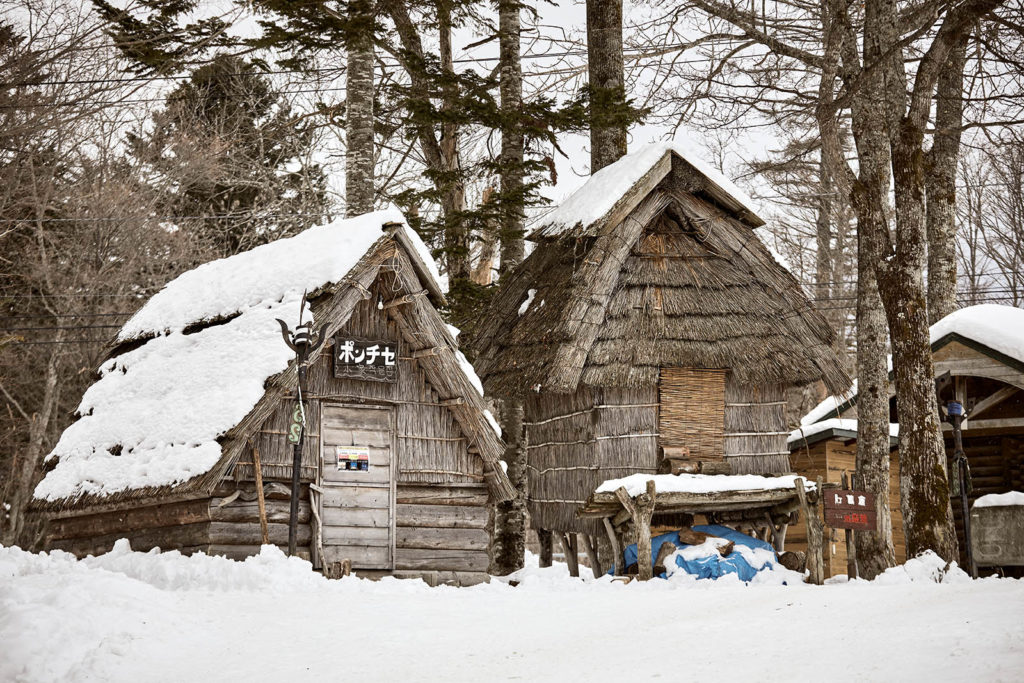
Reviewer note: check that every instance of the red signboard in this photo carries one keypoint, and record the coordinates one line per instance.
(850, 510)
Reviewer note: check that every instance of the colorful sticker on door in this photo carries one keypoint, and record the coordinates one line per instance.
(353, 458)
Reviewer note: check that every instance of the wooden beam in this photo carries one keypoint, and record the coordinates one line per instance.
(590, 546)
(990, 401)
(260, 501)
(815, 532)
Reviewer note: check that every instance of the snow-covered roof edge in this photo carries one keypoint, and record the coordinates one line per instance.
(995, 326)
(831, 426)
(607, 188)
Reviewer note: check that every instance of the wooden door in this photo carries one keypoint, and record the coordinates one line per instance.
(357, 505)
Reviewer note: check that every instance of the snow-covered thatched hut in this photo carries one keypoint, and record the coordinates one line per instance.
(649, 321)
(401, 457)
(978, 354)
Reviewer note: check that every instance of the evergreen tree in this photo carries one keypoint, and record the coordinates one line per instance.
(229, 160)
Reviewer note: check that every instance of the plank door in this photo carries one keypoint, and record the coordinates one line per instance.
(357, 506)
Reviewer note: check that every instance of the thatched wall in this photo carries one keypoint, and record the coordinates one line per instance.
(755, 427)
(576, 441)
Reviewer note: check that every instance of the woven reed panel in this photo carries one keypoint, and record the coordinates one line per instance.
(692, 411)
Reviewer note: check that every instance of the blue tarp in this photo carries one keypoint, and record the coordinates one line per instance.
(713, 566)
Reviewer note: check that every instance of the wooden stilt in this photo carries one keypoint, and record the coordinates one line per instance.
(546, 541)
(618, 560)
(641, 510)
(590, 546)
(569, 551)
(815, 531)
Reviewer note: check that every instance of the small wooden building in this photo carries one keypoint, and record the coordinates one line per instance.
(192, 414)
(649, 320)
(979, 360)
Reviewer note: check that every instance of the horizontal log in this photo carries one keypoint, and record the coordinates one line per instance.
(240, 552)
(441, 495)
(451, 560)
(250, 533)
(607, 504)
(442, 539)
(249, 511)
(130, 519)
(165, 538)
(442, 516)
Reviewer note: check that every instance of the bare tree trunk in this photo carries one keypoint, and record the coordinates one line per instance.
(29, 466)
(875, 551)
(510, 519)
(924, 487)
(483, 271)
(512, 140)
(359, 190)
(942, 163)
(607, 82)
(453, 192)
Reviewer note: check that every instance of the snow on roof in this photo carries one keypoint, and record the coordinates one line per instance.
(606, 187)
(154, 416)
(262, 276)
(999, 327)
(839, 424)
(636, 484)
(1000, 499)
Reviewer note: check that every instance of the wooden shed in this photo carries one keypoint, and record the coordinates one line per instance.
(192, 412)
(649, 319)
(979, 361)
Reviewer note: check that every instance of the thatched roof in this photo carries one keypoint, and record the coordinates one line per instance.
(671, 275)
(202, 364)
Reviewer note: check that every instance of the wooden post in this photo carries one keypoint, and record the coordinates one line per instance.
(851, 548)
(570, 553)
(260, 502)
(546, 541)
(815, 527)
(613, 538)
(589, 545)
(641, 510)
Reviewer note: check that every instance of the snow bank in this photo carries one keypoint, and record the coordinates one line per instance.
(606, 187)
(844, 424)
(154, 416)
(154, 616)
(1000, 499)
(925, 568)
(636, 484)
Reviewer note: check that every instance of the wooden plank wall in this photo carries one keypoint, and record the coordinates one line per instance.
(829, 459)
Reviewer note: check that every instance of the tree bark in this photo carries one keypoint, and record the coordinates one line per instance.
(510, 516)
(942, 161)
(359, 190)
(875, 551)
(606, 82)
(458, 256)
(512, 139)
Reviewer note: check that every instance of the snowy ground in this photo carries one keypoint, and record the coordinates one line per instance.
(132, 617)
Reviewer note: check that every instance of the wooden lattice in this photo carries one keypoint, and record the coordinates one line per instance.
(692, 411)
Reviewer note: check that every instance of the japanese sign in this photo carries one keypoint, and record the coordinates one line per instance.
(373, 360)
(353, 458)
(850, 510)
